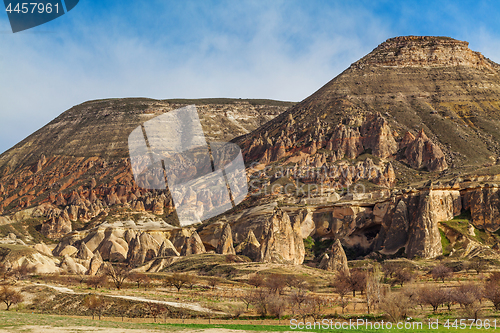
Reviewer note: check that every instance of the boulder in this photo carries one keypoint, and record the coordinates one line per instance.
(225, 245)
(43, 249)
(69, 265)
(69, 250)
(282, 242)
(304, 219)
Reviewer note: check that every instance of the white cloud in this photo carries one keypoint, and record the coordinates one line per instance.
(277, 52)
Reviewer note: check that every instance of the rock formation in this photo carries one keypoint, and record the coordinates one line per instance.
(141, 249)
(335, 259)
(225, 245)
(167, 249)
(282, 242)
(193, 245)
(250, 247)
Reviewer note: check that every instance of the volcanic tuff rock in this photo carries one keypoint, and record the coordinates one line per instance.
(193, 245)
(250, 247)
(281, 241)
(225, 244)
(335, 259)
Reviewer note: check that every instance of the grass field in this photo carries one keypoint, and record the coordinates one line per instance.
(27, 322)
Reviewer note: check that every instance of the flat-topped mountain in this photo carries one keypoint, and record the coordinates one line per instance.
(434, 88)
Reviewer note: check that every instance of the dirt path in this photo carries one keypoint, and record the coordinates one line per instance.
(193, 307)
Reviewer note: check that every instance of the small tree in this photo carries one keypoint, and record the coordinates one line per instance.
(95, 304)
(277, 306)
(96, 281)
(275, 283)
(358, 279)
(10, 296)
(441, 272)
(297, 298)
(156, 309)
(477, 264)
(342, 286)
(434, 296)
(138, 278)
(117, 274)
(23, 271)
(397, 305)
(402, 276)
(177, 280)
(492, 293)
(467, 294)
(256, 280)
(373, 291)
(5, 270)
(213, 282)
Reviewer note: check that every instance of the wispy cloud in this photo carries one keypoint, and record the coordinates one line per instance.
(166, 49)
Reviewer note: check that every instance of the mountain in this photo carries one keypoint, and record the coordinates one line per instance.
(432, 88)
(397, 156)
(77, 166)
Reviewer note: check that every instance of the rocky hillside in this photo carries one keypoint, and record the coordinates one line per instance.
(76, 168)
(379, 162)
(427, 103)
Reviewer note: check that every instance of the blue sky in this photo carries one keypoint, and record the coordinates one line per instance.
(191, 49)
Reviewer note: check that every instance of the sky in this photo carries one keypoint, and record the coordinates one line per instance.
(161, 49)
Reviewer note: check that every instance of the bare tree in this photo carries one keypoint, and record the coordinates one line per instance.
(96, 281)
(178, 280)
(213, 282)
(10, 296)
(117, 274)
(5, 270)
(138, 278)
(467, 294)
(276, 306)
(95, 304)
(434, 296)
(156, 309)
(297, 298)
(373, 291)
(492, 293)
(256, 280)
(402, 276)
(259, 301)
(397, 305)
(315, 306)
(296, 281)
(441, 272)
(342, 286)
(275, 283)
(358, 279)
(21, 272)
(477, 264)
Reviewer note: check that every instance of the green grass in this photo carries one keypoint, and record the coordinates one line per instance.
(461, 224)
(445, 243)
(16, 321)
